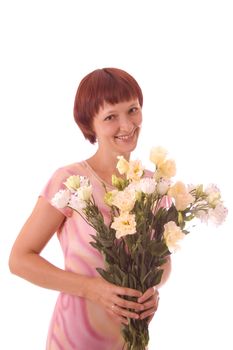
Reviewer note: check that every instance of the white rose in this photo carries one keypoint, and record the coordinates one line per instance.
(147, 185)
(76, 203)
(214, 195)
(218, 214)
(61, 199)
(84, 181)
(163, 186)
(84, 193)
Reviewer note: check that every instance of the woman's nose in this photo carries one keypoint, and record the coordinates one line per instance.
(125, 124)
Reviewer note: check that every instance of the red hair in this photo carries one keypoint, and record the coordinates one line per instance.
(111, 85)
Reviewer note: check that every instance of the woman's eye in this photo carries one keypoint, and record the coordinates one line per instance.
(133, 110)
(109, 117)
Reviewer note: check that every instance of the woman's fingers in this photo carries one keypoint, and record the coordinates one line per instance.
(117, 318)
(148, 294)
(128, 292)
(127, 304)
(149, 312)
(124, 312)
(151, 304)
(112, 297)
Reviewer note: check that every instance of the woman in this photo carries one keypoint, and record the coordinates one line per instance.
(89, 310)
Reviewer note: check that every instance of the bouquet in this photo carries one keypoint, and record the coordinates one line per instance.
(150, 214)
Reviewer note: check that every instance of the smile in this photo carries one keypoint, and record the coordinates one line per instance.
(126, 137)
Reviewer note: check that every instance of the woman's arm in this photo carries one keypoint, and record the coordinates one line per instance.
(26, 262)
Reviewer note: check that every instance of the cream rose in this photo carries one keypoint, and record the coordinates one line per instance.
(124, 224)
(158, 155)
(181, 196)
(135, 170)
(124, 200)
(172, 235)
(167, 169)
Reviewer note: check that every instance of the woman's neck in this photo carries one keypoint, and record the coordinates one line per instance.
(105, 165)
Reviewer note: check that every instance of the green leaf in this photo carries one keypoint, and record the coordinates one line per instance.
(105, 275)
(156, 279)
(158, 248)
(96, 246)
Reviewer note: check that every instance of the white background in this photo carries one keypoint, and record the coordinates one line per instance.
(181, 54)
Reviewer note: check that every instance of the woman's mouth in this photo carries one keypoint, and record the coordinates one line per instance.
(128, 136)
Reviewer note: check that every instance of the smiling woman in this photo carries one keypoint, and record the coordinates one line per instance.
(89, 310)
(107, 85)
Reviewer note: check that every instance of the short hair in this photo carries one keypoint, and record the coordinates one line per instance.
(111, 85)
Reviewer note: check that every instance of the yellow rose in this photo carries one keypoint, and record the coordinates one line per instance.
(158, 155)
(181, 196)
(122, 165)
(73, 182)
(124, 224)
(172, 234)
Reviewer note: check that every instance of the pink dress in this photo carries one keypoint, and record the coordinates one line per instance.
(77, 323)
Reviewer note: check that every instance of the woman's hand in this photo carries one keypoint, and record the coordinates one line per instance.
(110, 297)
(150, 301)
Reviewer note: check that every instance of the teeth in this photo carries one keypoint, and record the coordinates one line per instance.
(126, 137)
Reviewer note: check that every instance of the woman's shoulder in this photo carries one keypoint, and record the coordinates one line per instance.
(60, 175)
(76, 168)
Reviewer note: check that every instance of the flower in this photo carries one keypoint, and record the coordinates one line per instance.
(124, 200)
(61, 199)
(122, 165)
(218, 214)
(172, 234)
(77, 203)
(73, 182)
(147, 185)
(135, 171)
(84, 192)
(148, 219)
(213, 194)
(124, 224)
(166, 169)
(181, 196)
(158, 155)
(162, 186)
(109, 197)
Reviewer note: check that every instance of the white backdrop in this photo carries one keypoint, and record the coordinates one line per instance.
(181, 54)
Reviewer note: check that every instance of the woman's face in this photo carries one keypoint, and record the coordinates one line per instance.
(117, 126)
